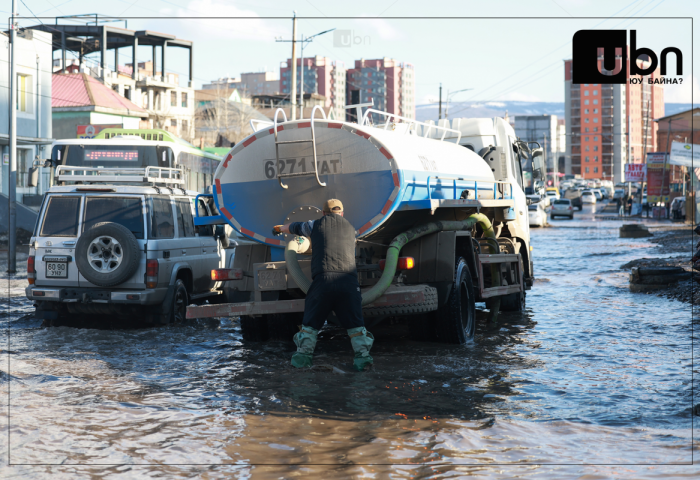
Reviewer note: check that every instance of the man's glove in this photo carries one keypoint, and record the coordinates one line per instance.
(277, 230)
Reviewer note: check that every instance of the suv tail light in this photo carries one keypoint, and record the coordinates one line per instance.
(31, 271)
(223, 274)
(151, 273)
(404, 263)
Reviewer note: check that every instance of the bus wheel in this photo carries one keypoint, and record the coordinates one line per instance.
(456, 319)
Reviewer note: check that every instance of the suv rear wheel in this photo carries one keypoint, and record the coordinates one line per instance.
(107, 254)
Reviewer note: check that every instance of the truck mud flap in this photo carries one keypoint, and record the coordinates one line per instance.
(398, 299)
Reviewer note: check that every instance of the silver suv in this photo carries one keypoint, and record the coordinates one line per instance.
(122, 242)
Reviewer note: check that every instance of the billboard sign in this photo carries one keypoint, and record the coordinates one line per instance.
(635, 172)
(658, 178)
(685, 154)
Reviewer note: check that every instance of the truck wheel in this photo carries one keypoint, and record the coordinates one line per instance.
(514, 302)
(107, 254)
(283, 326)
(456, 319)
(254, 329)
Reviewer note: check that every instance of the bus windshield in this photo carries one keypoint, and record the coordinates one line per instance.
(528, 181)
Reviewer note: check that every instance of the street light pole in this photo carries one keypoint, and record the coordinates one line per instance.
(303, 41)
(12, 178)
(294, 68)
(440, 104)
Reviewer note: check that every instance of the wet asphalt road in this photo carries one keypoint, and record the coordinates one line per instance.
(589, 374)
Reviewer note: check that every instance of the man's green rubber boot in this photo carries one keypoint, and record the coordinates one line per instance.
(362, 342)
(305, 341)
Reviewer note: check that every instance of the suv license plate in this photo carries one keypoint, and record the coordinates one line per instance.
(56, 270)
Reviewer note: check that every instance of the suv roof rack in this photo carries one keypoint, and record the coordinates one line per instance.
(150, 176)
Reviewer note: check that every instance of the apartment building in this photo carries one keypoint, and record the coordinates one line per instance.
(321, 76)
(610, 125)
(388, 84)
(168, 98)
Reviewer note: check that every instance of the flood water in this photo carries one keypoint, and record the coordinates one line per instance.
(590, 382)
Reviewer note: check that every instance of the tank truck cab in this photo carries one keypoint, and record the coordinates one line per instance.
(440, 213)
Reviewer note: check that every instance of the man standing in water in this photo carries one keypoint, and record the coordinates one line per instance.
(334, 286)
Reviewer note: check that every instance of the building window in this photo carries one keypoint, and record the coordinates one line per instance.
(23, 164)
(595, 169)
(585, 93)
(185, 131)
(595, 102)
(586, 138)
(585, 102)
(586, 129)
(595, 129)
(595, 119)
(585, 85)
(585, 110)
(24, 93)
(595, 158)
(588, 159)
(588, 148)
(586, 169)
(595, 139)
(184, 99)
(586, 120)
(595, 110)
(173, 122)
(595, 92)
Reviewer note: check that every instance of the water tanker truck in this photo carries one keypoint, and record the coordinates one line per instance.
(440, 215)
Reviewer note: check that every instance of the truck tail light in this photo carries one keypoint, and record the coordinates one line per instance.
(224, 274)
(151, 273)
(31, 271)
(404, 263)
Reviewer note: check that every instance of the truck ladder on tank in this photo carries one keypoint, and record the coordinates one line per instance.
(312, 141)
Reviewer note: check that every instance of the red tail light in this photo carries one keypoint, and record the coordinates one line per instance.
(151, 273)
(31, 271)
(404, 263)
(224, 274)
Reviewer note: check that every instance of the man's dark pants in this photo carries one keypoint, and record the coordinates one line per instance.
(334, 292)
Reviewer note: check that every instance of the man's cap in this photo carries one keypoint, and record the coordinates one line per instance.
(332, 204)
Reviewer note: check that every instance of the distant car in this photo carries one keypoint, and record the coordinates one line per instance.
(574, 194)
(552, 194)
(619, 194)
(536, 215)
(562, 208)
(598, 194)
(588, 196)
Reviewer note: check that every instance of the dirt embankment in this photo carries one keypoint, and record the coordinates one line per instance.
(679, 244)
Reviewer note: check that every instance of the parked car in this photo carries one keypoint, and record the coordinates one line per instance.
(574, 194)
(619, 194)
(598, 194)
(562, 208)
(536, 214)
(587, 196)
(123, 249)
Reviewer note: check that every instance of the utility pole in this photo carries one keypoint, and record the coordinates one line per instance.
(440, 104)
(301, 81)
(294, 67)
(646, 128)
(12, 179)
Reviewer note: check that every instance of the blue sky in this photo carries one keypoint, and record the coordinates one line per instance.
(519, 58)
